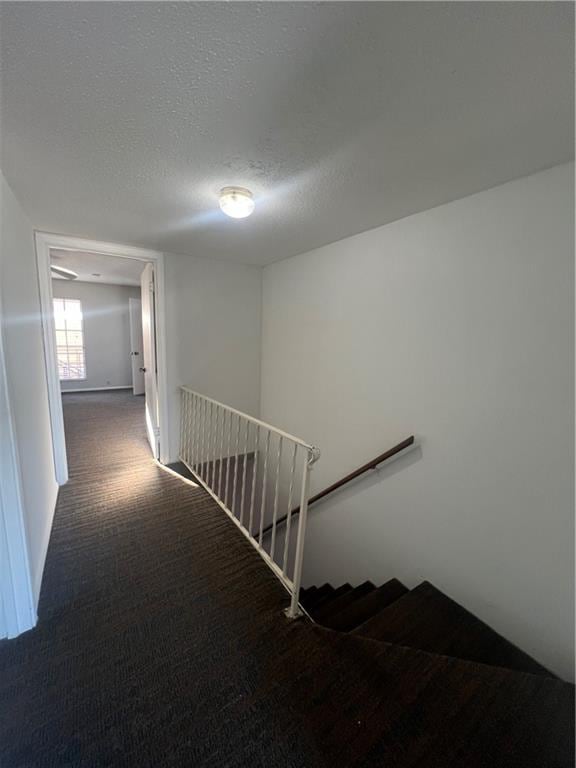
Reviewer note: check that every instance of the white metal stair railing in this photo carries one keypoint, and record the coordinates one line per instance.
(254, 471)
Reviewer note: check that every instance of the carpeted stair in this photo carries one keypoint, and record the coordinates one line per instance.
(454, 687)
(423, 618)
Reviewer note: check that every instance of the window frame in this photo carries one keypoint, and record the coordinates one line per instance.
(67, 347)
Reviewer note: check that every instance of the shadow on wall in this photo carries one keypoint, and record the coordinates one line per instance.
(360, 484)
(373, 477)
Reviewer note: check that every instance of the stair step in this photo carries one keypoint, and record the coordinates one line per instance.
(342, 590)
(405, 708)
(428, 619)
(361, 609)
(330, 607)
(307, 593)
(324, 591)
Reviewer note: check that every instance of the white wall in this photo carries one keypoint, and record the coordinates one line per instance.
(213, 329)
(27, 387)
(455, 324)
(106, 331)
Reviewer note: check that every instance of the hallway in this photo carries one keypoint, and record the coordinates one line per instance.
(161, 642)
(144, 650)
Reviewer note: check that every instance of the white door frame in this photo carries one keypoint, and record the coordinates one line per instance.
(17, 605)
(44, 242)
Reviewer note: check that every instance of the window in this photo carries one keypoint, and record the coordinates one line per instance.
(69, 339)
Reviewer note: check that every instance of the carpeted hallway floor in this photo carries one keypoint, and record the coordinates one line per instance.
(161, 642)
(142, 654)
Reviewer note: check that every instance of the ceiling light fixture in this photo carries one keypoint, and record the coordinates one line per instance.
(236, 202)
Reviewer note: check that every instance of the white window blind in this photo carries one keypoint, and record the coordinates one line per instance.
(69, 339)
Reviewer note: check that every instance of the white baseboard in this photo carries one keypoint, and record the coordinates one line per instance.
(96, 389)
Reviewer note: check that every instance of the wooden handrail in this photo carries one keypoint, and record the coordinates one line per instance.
(348, 478)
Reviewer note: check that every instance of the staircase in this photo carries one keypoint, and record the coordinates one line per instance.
(423, 618)
(383, 675)
(439, 687)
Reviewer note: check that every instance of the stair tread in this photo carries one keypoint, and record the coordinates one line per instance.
(389, 705)
(338, 603)
(427, 619)
(324, 591)
(337, 592)
(419, 709)
(361, 609)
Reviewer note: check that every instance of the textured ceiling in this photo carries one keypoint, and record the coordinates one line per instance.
(121, 121)
(108, 269)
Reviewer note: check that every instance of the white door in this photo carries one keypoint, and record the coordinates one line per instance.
(136, 345)
(149, 349)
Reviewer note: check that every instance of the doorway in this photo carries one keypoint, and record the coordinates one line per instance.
(74, 356)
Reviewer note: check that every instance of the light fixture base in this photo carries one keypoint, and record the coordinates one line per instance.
(236, 202)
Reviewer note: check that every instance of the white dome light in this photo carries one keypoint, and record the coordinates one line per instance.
(236, 202)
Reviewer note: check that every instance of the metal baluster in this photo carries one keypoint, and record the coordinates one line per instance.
(233, 507)
(191, 454)
(228, 460)
(215, 450)
(208, 441)
(256, 453)
(213, 447)
(203, 449)
(183, 399)
(244, 463)
(195, 433)
(201, 405)
(293, 610)
(276, 490)
(207, 450)
(199, 440)
(214, 413)
(263, 502)
(217, 447)
(185, 426)
(187, 416)
(198, 434)
(187, 450)
(289, 512)
(223, 420)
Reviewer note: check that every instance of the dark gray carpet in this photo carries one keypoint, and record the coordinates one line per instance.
(161, 642)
